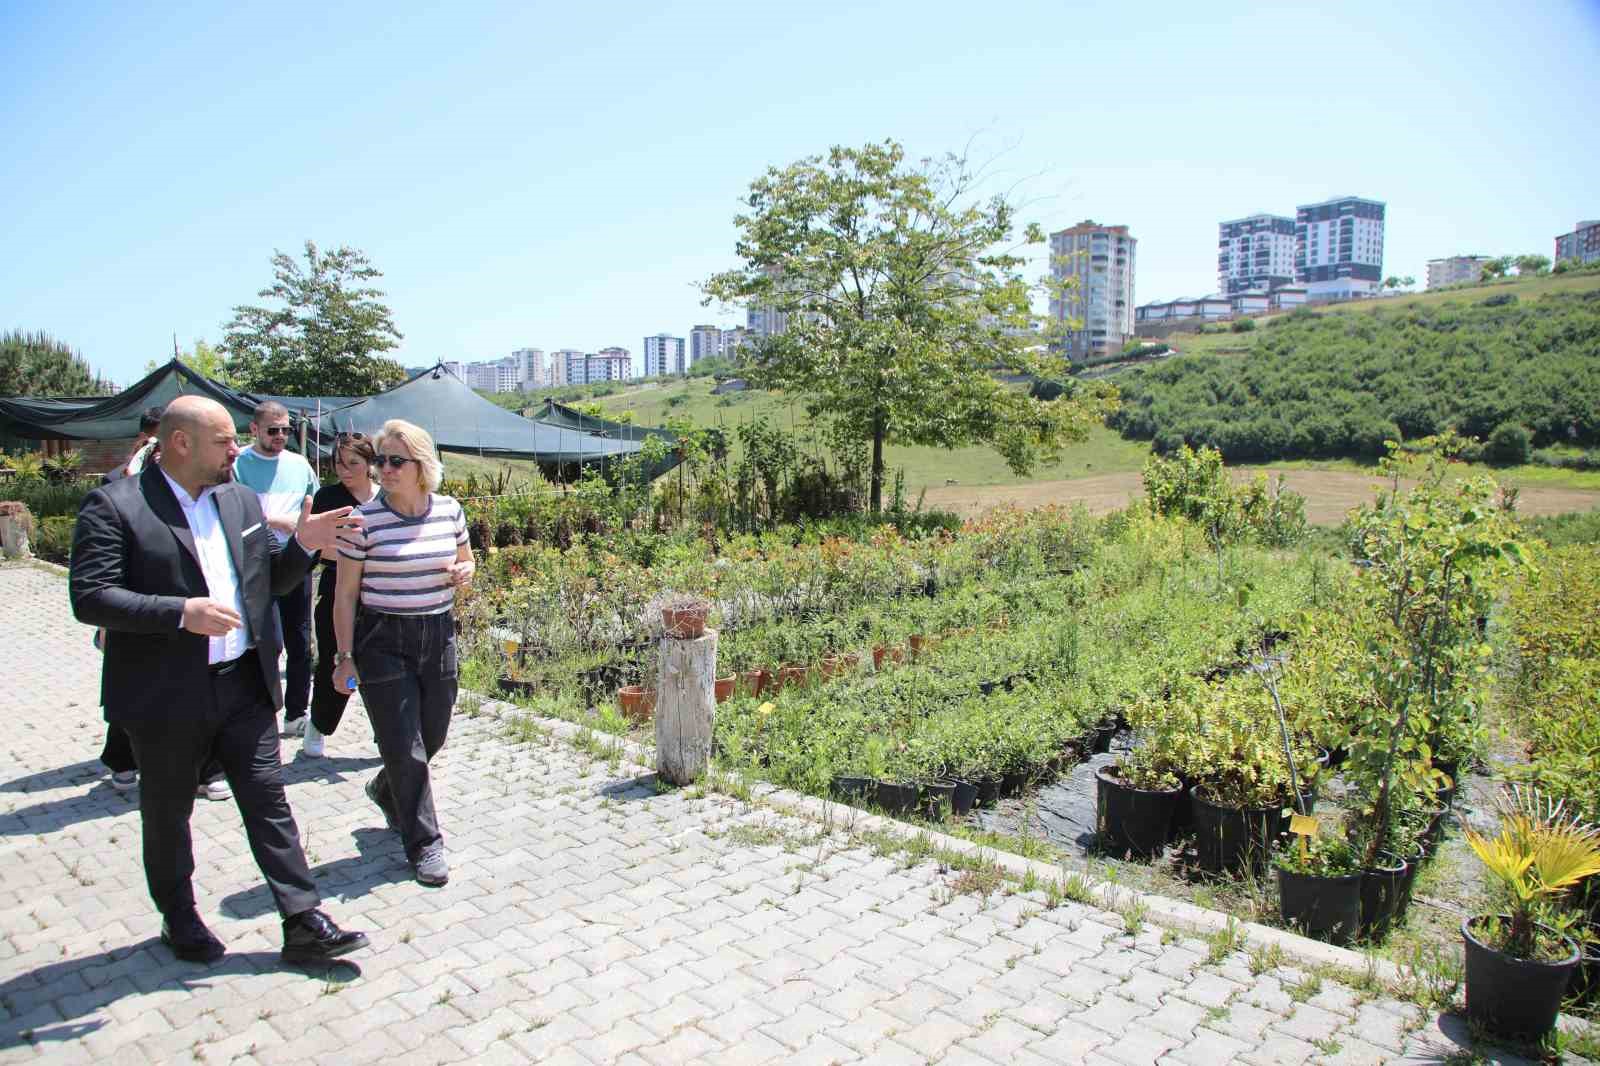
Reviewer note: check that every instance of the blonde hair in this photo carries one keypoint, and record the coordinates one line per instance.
(419, 444)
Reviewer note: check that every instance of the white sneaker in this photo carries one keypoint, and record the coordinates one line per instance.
(296, 727)
(312, 746)
(217, 790)
(125, 780)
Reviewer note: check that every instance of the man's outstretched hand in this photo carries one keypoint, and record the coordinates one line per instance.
(320, 532)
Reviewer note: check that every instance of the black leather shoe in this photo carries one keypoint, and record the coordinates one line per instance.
(189, 938)
(311, 936)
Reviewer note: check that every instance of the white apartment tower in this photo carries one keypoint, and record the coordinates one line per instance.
(561, 366)
(1339, 247)
(663, 354)
(1255, 254)
(1100, 260)
(533, 369)
(732, 340)
(705, 342)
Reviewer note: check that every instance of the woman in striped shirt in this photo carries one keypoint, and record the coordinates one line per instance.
(396, 631)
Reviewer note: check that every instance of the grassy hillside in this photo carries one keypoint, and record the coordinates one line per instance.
(1326, 385)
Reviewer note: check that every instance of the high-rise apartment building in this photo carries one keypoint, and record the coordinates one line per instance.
(1100, 259)
(1339, 247)
(705, 342)
(732, 340)
(533, 370)
(766, 321)
(455, 367)
(1455, 270)
(610, 364)
(663, 354)
(1255, 254)
(1582, 244)
(562, 363)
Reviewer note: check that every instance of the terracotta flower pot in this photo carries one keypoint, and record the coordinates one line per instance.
(755, 681)
(852, 660)
(632, 699)
(897, 653)
(878, 654)
(792, 674)
(831, 666)
(684, 623)
(724, 687)
(917, 643)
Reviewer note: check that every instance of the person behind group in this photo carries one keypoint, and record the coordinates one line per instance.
(352, 462)
(281, 479)
(402, 569)
(177, 567)
(144, 446)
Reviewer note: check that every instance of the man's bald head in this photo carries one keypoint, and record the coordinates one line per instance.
(198, 443)
(192, 414)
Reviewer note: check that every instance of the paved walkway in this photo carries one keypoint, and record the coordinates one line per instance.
(588, 920)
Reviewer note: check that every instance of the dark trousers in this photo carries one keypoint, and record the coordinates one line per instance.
(327, 702)
(407, 666)
(294, 618)
(240, 729)
(118, 756)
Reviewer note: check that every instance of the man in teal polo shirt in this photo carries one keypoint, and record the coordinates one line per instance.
(282, 479)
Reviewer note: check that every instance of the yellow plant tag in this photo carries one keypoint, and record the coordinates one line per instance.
(1303, 825)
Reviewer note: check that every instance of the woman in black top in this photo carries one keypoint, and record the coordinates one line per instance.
(352, 461)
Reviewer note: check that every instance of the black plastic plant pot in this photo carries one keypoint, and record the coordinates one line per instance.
(936, 799)
(1100, 738)
(854, 790)
(1586, 982)
(964, 797)
(1132, 821)
(512, 686)
(1013, 782)
(897, 798)
(987, 687)
(988, 791)
(1183, 813)
(1514, 997)
(1325, 907)
(1382, 896)
(1231, 840)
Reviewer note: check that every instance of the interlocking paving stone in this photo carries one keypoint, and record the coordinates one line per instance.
(588, 921)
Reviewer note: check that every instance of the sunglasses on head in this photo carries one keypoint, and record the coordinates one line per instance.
(276, 431)
(395, 461)
(351, 435)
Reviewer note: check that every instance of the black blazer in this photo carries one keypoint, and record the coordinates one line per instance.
(133, 565)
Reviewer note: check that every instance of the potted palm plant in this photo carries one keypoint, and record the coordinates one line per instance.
(1518, 965)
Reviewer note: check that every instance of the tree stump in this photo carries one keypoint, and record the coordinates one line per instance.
(15, 523)
(685, 702)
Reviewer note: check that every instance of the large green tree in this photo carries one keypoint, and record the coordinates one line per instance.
(905, 304)
(326, 336)
(36, 364)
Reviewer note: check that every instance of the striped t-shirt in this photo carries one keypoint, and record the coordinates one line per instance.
(405, 560)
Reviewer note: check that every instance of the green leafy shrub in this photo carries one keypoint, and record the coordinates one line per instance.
(1508, 445)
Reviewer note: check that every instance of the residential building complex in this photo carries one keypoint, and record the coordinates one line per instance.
(1582, 244)
(561, 365)
(1255, 254)
(1339, 247)
(1208, 308)
(1099, 260)
(705, 342)
(533, 368)
(766, 321)
(1455, 270)
(732, 340)
(663, 354)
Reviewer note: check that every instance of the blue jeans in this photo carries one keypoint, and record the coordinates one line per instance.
(407, 667)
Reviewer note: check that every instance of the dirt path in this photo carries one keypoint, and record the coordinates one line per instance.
(1329, 494)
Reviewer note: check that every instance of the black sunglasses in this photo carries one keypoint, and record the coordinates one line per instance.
(351, 435)
(396, 461)
(276, 431)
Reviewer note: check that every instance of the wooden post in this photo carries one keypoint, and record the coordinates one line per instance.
(14, 524)
(685, 702)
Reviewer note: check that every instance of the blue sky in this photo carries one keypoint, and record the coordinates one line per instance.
(563, 175)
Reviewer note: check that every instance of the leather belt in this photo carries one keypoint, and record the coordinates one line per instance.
(226, 668)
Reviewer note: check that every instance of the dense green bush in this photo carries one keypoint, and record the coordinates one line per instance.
(1508, 445)
(1329, 385)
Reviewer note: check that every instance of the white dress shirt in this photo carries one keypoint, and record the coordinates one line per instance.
(222, 580)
